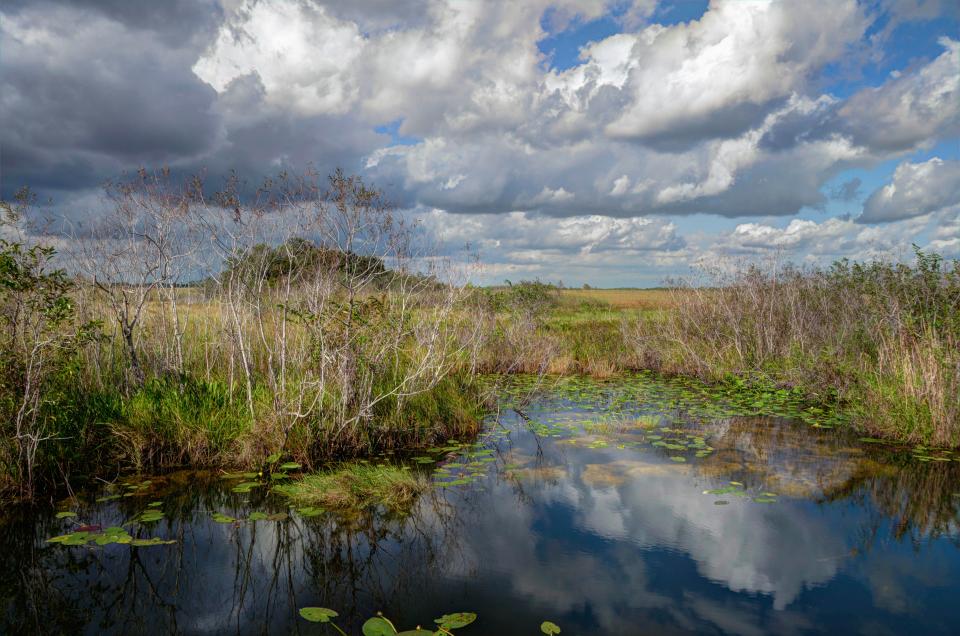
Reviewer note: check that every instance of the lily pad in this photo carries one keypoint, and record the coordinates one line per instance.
(148, 516)
(72, 537)
(317, 614)
(456, 621)
(145, 543)
(66, 514)
(378, 626)
(550, 628)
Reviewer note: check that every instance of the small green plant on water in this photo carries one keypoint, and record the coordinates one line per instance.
(380, 625)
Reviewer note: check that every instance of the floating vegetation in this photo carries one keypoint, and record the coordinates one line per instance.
(645, 396)
(107, 536)
(737, 489)
(148, 516)
(65, 514)
(355, 487)
(318, 614)
(246, 486)
(380, 625)
(549, 627)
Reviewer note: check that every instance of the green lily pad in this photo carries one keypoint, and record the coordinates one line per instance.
(550, 628)
(378, 626)
(146, 543)
(455, 621)
(77, 538)
(148, 516)
(66, 514)
(317, 614)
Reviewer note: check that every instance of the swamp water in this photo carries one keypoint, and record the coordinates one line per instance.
(637, 506)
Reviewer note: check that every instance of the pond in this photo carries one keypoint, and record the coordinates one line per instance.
(636, 506)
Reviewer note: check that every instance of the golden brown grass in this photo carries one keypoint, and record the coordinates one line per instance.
(643, 299)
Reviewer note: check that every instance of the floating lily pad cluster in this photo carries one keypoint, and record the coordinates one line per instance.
(380, 625)
(644, 391)
(737, 489)
(256, 479)
(465, 465)
(95, 535)
(107, 536)
(131, 488)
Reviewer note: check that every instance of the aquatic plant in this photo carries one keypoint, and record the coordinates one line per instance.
(380, 625)
(356, 487)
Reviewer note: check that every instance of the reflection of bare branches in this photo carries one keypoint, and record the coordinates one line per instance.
(918, 499)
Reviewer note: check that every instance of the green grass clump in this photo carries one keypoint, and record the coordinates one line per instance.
(356, 487)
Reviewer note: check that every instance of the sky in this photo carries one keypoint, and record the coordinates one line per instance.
(614, 143)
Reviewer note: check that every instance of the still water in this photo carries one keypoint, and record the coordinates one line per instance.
(629, 507)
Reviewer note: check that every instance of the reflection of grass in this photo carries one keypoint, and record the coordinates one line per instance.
(357, 486)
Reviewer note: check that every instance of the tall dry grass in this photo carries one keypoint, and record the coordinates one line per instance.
(879, 338)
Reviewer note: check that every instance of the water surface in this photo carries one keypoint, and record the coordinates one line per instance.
(631, 507)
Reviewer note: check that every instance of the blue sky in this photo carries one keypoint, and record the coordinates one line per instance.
(610, 142)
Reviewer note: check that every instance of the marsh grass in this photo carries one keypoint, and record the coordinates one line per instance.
(881, 340)
(355, 487)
